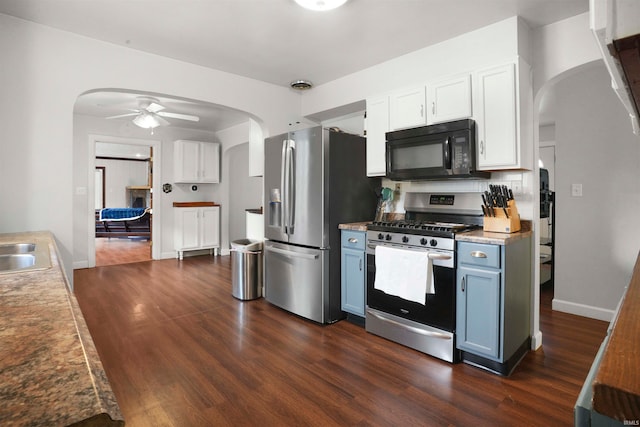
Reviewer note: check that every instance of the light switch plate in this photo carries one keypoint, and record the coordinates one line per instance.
(576, 190)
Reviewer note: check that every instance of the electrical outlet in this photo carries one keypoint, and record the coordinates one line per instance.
(397, 188)
(516, 187)
(576, 190)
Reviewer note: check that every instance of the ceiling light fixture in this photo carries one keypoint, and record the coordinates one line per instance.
(321, 5)
(301, 84)
(146, 120)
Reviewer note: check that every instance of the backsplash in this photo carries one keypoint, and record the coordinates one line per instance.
(517, 181)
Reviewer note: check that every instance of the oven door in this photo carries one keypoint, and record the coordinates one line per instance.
(439, 310)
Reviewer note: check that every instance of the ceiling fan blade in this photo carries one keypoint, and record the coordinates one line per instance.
(161, 121)
(154, 107)
(122, 115)
(179, 116)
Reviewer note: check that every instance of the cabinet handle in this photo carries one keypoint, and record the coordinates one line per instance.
(463, 284)
(482, 147)
(433, 108)
(353, 240)
(360, 264)
(421, 110)
(478, 254)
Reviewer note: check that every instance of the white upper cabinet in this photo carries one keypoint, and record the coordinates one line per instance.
(196, 162)
(495, 108)
(256, 149)
(407, 108)
(449, 99)
(377, 125)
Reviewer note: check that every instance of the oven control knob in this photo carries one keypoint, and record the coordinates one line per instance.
(380, 236)
(423, 241)
(388, 237)
(405, 239)
(433, 242)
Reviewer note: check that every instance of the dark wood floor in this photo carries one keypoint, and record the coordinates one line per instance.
(179, 350)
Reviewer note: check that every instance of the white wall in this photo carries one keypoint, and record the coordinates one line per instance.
(598, 237)
(45, 70)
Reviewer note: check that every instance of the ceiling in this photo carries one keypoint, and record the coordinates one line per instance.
(275, 41)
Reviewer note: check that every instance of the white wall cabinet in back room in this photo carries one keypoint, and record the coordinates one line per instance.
(196, 162)
(377, 126)
(196, 228)
(449, 99)
(407, 108)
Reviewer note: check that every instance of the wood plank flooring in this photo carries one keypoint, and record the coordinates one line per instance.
(114, 250)
(179, 350)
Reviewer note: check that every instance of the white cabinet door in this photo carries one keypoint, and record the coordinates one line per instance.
(187, 228)
(407, 108)
(449, 99)
(186, 161)
(495, 111)
(210, 162)
(196, 162)
(210, 227)
(377, 126)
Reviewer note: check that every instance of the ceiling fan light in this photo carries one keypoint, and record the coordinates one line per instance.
(321, 5)
(146, 121)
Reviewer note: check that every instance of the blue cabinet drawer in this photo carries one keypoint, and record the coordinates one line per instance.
(479, 254)
(353, 239)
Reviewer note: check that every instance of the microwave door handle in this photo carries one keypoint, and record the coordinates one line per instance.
(447, 153)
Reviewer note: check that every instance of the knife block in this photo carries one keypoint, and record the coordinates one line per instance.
(500, 223)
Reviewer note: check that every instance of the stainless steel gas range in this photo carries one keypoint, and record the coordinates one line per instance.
(411, 291)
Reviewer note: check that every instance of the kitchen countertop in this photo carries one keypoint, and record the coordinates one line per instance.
(354, 226)
(616, 387)
(50, 371)
(193, 204)
(481, 236)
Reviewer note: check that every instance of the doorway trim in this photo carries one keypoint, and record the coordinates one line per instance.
(156, 245)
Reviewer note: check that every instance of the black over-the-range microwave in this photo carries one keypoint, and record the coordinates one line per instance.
(440, 151)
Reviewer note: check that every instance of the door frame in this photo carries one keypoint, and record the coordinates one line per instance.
(156, 145)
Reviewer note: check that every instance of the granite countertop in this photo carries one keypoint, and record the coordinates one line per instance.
(355, 226)
(50, 371)
(481, 236)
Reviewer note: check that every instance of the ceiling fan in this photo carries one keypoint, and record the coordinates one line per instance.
(150, 114)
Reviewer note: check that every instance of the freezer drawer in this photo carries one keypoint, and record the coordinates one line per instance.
(296, 279)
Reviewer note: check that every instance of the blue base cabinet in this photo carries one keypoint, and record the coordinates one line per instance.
(493, 304)
(353, 272)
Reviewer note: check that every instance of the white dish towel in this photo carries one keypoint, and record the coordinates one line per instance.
(404, 273)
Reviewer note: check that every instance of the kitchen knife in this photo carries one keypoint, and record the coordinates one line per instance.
(485, 198)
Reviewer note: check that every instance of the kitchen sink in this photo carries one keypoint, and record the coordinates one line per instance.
(16, 261)
(18, 257)
(17, 248)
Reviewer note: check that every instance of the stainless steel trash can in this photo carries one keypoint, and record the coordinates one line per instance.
(246, 269)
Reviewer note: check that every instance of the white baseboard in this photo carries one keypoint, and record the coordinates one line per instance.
(536, 341)
(582, 310)
(80, 264)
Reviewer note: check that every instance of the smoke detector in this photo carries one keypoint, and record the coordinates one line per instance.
(301, 85)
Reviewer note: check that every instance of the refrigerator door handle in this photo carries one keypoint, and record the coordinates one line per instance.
(291, 191)
(283, 188)
(291, 253)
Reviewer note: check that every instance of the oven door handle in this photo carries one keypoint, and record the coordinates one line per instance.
(433, 255)
(411, 328)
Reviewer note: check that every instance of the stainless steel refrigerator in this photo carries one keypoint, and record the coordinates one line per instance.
(314, 179)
